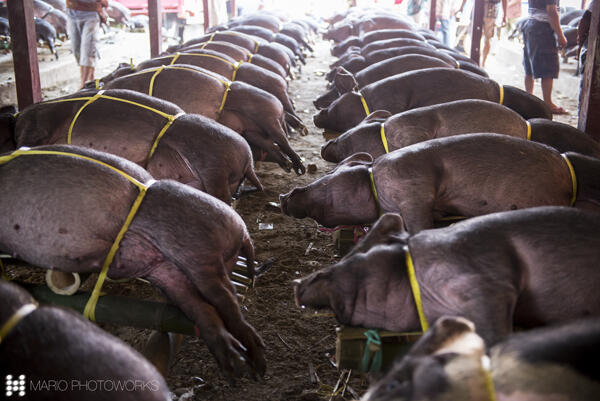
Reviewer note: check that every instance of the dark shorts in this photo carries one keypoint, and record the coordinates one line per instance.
(540, 54)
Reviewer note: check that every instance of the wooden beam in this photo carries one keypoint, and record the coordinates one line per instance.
(206, 12)
(589, 118)
(478, 10)
(155, 22)
(24, 49)
(432, 10)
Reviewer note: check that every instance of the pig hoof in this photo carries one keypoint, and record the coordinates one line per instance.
(299, 169)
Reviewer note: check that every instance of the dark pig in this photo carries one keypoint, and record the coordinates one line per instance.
(450, 119)
(510, 284)
(119, 13)
(50, 341)
(424, 88)
(255, 114)
(376, 72)
(450, 361)
(464, 175)
(45, 33)
(194, 150)
(374, 36)
(368, 23)
(56, 18)
(182, 240)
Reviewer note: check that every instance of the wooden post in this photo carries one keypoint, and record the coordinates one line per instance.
(155, 21)
(25, 62)
(205, 11)
(589, 118)
(477, 27)
(432, 11)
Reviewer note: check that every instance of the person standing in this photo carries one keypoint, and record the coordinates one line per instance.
(84, 22)
(541, 31)
(489, 24)
(445, 10)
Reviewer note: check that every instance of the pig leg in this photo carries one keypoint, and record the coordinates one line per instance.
(222, 296)
(227, 350)
(294, 121)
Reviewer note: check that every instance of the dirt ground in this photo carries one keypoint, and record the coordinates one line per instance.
(295, 339)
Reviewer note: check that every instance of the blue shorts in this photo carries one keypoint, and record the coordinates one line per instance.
(83, 32)
(540, 53)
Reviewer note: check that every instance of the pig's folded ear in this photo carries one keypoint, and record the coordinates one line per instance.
(387, 230)
(344, 81)
(450, 334)
(378, 116)
(360, 158)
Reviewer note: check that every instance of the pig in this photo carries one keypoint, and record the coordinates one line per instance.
(182, 240)
(292, 45)
(376, 72)
(119, 13)
(465, 175)
(374, 36)
(235, 52)
(194, 150)
(51, 341)
(368, 23)
(58, 4)
(241, 39)
(298, 33)
(56, 18)
(567, 17)
(254, 30)
(510, 284)
(420, 88)
(255, 114)
(263, 20)
(449, 362)
(357, 63)
(449, 119)
(4, 27)
(45, 33)
(225, 66)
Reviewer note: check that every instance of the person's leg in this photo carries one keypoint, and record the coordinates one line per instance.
(547, 91)
(89, 52)
(529, 83)
(488, 33)
(74, 31)
(444, 30)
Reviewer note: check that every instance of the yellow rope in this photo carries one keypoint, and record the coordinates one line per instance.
(364, 103)
(489, 382)
(227, 89)
(528, 130)
(97, 80)
(90, 101)
(374, 190)
(501, 89)
(383, 138)
(16, 317)
(235, 70)
(156, 72)
(175, 57)
(573, 179)
(164, 129)
(414, 285)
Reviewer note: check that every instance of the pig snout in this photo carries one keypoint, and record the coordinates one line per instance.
(328, 152)
(322, 102)
(320, 118)
(312, 291)
(289, 206)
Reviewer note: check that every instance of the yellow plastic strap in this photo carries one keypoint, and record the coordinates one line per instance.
(457, 65)
(131, 63)
(97, 80)
(364, 103)
(573, 178)
(235, 69)
(414, 285)
(16, 317)
(374, 189)
(86, 104)
(250, 57)
(164, 129)
(528, 130)
(156, 72)
(501, 89)
(227, 89)
(175, 57)
(489, 382)
(90, 308)
(383, 138)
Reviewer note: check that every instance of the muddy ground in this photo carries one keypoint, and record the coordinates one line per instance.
(295, 339)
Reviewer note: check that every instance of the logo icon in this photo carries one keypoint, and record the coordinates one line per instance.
(15, 385)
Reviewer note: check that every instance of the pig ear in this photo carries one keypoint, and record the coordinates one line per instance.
(344, 81)
(450, 334)
(356, 159)
(378, 116)
(388, 229)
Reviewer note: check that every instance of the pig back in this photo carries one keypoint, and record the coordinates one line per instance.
(62, 211)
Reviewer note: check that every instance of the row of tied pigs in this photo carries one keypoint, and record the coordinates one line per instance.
(426, 137)
(186, 241)
(136, 174)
